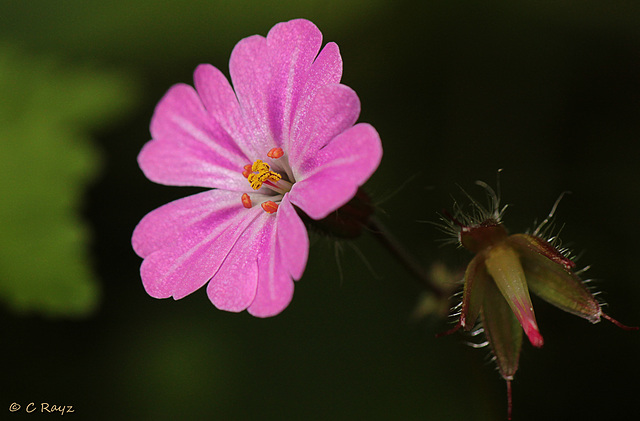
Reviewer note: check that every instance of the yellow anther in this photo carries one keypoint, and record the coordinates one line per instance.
(261, 173)
(260, 166)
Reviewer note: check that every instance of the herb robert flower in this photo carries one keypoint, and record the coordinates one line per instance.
(282, 138)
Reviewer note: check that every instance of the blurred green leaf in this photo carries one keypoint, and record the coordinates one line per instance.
(46, 161)
(144, 31)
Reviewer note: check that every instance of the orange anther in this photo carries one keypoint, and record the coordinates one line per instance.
(269, 206)
(247, 171)
(246, 201)
(275, 153)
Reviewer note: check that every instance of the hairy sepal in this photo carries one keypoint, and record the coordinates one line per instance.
(503, 331)
(476, 279)
(503, 264)
(551, 278)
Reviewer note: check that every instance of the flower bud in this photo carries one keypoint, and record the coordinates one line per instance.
(500, 276)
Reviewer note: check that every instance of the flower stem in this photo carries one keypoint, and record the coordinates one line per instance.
(391, 243)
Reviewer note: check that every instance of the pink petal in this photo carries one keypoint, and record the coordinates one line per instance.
(334, 109)
(325, 70)
(185, 219)
(188, 262)
(338, 170)
(188, 147)
(275, 286)
(234, 285)
(292, 46)
(276, 78)
(222, 106)
(293, 240)
(250, 73)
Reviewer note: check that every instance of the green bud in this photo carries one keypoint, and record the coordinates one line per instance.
(500, 276)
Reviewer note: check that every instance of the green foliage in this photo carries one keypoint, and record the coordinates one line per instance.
(46, 162)
(146, 31)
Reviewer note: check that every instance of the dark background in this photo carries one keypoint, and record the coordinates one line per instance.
(549, 92)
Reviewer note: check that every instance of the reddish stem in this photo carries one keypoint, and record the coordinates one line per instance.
(450, 331)
(509, 406)
(617, 323)
(411, 263)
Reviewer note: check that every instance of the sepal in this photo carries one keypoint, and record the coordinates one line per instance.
(503, 264)
(476, 279)
(550, 277)
(503, 331)
(347, 221)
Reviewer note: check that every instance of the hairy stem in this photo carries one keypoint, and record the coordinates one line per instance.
(391, 243)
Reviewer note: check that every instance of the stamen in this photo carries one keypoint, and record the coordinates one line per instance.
(260, 166)
(275, 153)
(274, 187)
(281, 186)
(246, 201)
(284, 185)
(247, 171)
(269, 206)
(261, 173)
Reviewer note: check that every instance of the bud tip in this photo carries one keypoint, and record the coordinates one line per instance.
(532, 332)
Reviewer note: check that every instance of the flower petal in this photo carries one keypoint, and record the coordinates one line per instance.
(250, 74)
(292, 46)
(275, 286)
(185, 258)
(186, 218)
(234, 285)
(189, 148)
(325, 70)
(334, 109)
(293, 240)
(276, 77)
(337, 171)
(222, 105)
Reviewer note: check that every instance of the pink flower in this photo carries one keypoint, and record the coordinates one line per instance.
(283, 136)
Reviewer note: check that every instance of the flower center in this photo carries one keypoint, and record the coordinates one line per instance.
(259, 174)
